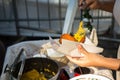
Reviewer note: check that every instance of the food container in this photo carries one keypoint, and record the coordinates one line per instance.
(48, 67)
(90, 77)
(82, 70)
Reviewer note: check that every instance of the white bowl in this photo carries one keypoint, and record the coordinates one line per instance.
(90, 77)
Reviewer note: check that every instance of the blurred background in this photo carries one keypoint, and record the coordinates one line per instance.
(40, 18)
(22, 20)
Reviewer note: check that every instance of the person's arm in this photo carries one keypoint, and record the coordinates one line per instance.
(96, 60)
(106, 5)
(109, 63)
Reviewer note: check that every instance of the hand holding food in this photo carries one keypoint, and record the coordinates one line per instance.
(89, 59)
(79, 36)
(84, 28)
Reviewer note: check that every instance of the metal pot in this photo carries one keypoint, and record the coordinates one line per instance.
(38, 64)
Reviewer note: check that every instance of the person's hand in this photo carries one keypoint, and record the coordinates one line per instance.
(92, 4)
(89, 59)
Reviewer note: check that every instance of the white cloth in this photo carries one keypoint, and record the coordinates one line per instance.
(116, 11)
(118, 72)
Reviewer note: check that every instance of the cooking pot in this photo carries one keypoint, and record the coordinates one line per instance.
(39, 64)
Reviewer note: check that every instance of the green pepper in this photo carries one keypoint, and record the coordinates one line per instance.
(89, 18)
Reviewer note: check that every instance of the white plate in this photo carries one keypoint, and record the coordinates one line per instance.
(90, 77)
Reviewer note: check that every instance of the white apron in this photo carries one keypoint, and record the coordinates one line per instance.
(116, 12)
(118, 72)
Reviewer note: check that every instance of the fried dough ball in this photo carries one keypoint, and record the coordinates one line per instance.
(66, 36)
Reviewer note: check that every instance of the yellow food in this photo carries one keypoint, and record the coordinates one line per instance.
(33, 75)
(80, 34)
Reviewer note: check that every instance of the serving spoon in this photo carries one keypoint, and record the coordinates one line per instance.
(11, 68)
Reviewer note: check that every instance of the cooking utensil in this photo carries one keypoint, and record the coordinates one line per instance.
(10, 68)
(38, 63)
(82, 70)
(22, 65)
